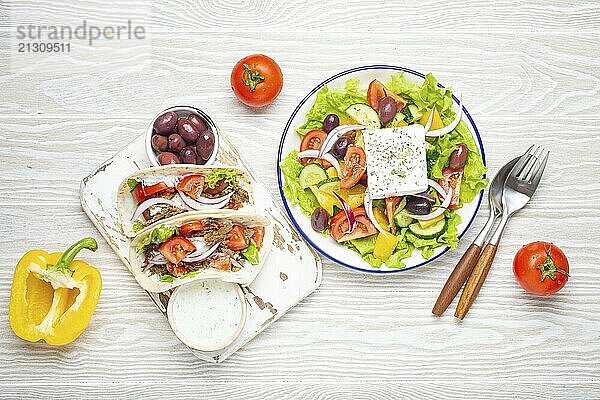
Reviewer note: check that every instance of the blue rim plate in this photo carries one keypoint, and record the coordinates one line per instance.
(290, 141)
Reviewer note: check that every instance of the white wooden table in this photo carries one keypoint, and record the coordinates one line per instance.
(529, 73)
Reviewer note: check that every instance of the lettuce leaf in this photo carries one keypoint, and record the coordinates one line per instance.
(291, 168)
(251, 253)
(333, 101)
(158, 236)
(228, 175)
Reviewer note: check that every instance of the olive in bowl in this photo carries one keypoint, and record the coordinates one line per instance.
(182, 135)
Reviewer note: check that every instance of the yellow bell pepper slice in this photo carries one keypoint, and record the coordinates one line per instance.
(385, 245)
(53, 296)
(436, 123)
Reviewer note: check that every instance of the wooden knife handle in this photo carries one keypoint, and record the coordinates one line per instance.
(456, 279)
(475, 281)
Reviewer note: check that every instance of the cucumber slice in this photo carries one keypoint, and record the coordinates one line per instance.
(402, 220)
(329, 185)
(430, 232)
(311, 175)
(365, 115)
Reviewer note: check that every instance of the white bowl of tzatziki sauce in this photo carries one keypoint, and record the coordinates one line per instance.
(207, 315)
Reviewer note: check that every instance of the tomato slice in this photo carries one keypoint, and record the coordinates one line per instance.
(176, 249)
(191, 185)
(155, 189)
(222, 262)
(313, 140)
(177, 270)
(355, 167)
(378, 91)
(258, 236)
(190, 228)
(138, 194)
(339, 225)
(452, 179)
(142, 192)
(390, 208)
(237, 240)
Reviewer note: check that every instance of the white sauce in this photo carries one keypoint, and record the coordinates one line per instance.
(206, 315)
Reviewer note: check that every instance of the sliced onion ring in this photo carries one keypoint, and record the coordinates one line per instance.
(440, 210)
(197, 205)
(348, 212)
(425, 195)
(334, 135)
(157, 259)
(203, 254)
(236, 263)
(206, 200)
(146, 204)
(429, 120)
(449, 128)
(327, 157)
(369, 210)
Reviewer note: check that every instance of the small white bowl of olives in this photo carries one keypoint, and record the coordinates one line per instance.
(182, 135)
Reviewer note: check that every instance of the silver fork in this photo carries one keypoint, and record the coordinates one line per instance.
(520, 185)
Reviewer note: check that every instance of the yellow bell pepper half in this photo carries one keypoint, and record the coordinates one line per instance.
(53, 296)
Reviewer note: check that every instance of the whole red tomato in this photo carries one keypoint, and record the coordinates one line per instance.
(541, 268)
(256, 80)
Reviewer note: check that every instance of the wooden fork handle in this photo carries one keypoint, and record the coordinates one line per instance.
(475, 281)
(456, 279)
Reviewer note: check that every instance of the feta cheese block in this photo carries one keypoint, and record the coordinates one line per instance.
(396, 161)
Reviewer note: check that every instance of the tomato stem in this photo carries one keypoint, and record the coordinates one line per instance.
(548, 268)
(251, 78)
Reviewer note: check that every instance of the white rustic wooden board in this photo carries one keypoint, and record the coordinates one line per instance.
(529, 73)
(291, 272)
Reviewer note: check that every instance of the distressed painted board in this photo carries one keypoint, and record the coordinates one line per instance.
(291, 272)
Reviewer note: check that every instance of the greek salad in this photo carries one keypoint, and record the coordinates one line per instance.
(383, 169)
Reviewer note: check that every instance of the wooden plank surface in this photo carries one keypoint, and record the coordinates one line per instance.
(528, 72)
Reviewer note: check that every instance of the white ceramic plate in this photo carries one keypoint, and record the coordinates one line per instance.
(291, 141)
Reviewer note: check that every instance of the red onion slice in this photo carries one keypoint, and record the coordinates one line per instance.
(335, 134)
(236, 263)
(203, 254)
(369, 210)
(157, 259)
(425, 195)
(449, 128)
(197, 205)
(146, 204)
(348, 212)
(327, 157)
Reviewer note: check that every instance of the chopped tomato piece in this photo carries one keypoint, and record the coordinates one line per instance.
(138, 194)
(155, 189)
(258, 236)
(452, 179)
(355, 166)
(378, 91)
(191, 185)
(176, 270)
(339, 226)
(190, 228)
(237, 240)
(222, 262)
(142, 192)
(176, 249)
(390, 208)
